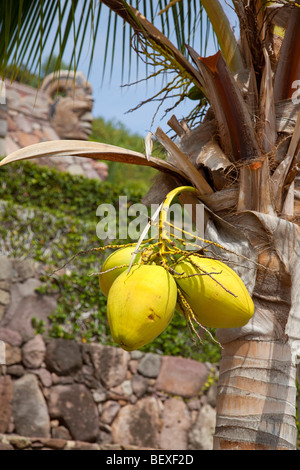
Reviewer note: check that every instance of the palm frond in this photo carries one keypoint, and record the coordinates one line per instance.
(289, 60)
(27, 26)
(226, 38)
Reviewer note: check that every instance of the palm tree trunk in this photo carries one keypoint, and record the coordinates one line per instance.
(256, 397)
(256, 403)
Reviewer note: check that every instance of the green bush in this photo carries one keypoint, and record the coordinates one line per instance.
(111, 132)
(34, 185)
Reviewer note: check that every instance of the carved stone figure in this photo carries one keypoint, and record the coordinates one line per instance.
(71, 103)
(59, 109)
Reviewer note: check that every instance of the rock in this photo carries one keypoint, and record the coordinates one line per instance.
(86, 376)
(5, 285)
(5, 268)
(110, 364)
(2, 312)
(137, 354)
(101, 169)
(3, 127)
(117, 393)
(17, 293)
(74, 406)
(2, 146)
(20, 312)
(127, 388)
(24, 269)
(88, 170)
(6, 446)
(30, 411)
(13, 354)
(149, 365)
(26, 139)
(201, 434)
(11, 125)
(180, 376)
(139, 385)
(133, 366)
(176, 423)
(33, 352)
(4, 297)
(76, 169)
(109, 411)
(60, 432)
(45, 377)
(13, 98)
(25, 289)
(137, 424)
(20, 442)
(78, 445)
(105, 436)
(53, 443)
(194, 404)
(99, 395)
(36, 126)
(50, 133)
(16, 370)
(10, 145)
(23, 124)
(5, 402)
(212, 395)
(63, 356)
(10, 336)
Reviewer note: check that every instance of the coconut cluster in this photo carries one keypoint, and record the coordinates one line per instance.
(141, 299)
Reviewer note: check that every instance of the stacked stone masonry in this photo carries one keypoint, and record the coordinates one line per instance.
(58, 394)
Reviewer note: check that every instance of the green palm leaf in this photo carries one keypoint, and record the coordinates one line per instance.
(26, 26)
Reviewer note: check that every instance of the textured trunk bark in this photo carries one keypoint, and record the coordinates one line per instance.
(256, 397)
(256, 402)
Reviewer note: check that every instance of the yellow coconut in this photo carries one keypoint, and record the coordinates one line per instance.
(140, 305)
(117, 258)
(220, 300)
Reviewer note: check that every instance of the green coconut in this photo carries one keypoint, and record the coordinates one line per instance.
(140, 305)
(219, 299)
(120, 257)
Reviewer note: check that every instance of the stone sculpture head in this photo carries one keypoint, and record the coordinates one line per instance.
(71, 103)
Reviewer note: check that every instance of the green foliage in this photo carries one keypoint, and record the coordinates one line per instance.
(40, 186)
(24, 76)
(109, 132)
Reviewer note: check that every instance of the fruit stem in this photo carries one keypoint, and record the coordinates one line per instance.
(163, 233)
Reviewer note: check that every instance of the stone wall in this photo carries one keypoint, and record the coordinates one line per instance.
(56, 393)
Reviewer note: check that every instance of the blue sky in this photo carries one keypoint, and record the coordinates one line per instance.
(111, 101)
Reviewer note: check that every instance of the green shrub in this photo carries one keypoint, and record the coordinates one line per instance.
(111, 132)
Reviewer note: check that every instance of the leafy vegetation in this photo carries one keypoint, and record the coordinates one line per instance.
(110, 132)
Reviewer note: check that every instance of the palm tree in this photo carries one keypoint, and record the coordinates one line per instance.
(243, 159)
